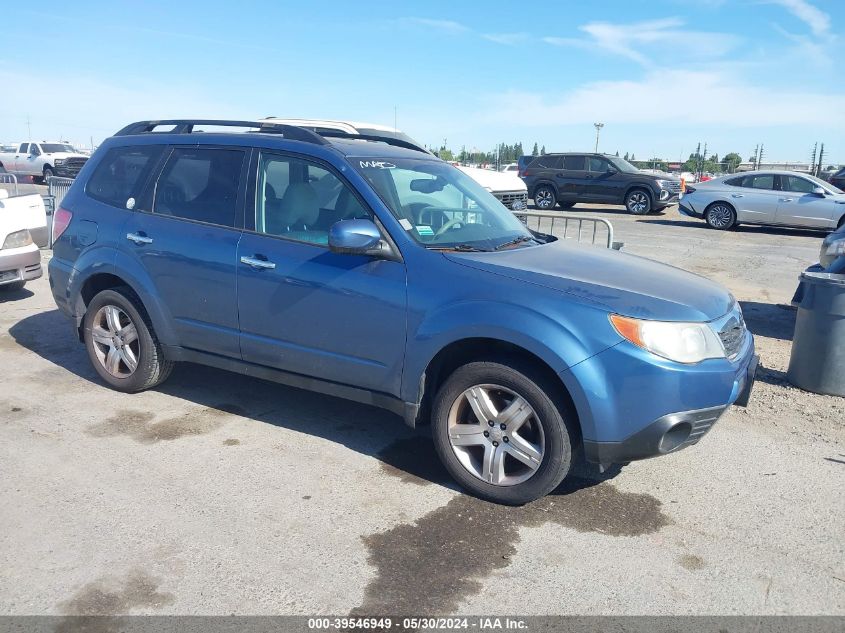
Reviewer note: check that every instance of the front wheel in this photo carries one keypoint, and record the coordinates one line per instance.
(545, 198)
(48, 173)
(121, 343)
(638, 202)
(720, 216)
(499, 434)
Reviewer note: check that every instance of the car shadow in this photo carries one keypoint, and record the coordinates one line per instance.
(15, 295)
(743, 228)
(408, 454)
(769, 320)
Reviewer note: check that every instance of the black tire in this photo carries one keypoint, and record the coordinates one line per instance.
(152, 368)
(2, 169)
(48, 172)
(720, 216)
(638, 202)
(12, 287)
(566, 205)
(545, 198)
(524, 380)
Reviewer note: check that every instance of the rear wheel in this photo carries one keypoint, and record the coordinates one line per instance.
(638, 202)
(720, 216)
(545, 198)
(121, 343)
(499, 434)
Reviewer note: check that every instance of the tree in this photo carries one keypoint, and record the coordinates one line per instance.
(731, 162)
(535, 151)
(626, 155)
(633, 157)
(617, 153)
(543, 151)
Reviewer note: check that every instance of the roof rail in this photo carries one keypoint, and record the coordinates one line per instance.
(186, 126)
(372, 137)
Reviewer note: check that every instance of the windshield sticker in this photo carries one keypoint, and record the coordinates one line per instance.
(406, 224)
(377, 164)
(423, 229)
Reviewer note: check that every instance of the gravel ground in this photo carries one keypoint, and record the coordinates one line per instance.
(218, 494)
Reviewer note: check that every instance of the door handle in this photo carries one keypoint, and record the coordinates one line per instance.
(139, 238)
(785, 200)
(736, 195)
(258, 264)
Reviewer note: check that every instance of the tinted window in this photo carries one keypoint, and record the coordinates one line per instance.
(24, 148)
(200, 185)
(762, 181)
(598, 164)
(34, 151)
(549, 161)
(794, 183)
(735, 182)
(300, 200)
(577, 163)
(121, 174)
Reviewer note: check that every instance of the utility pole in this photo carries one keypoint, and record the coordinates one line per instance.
(821, 158)
(760, 156)
(598, 127)
(28, 129)
(394, 118)
(813, 159)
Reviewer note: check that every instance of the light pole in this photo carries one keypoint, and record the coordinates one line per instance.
(598, 127)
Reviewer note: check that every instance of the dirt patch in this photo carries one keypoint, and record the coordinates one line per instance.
(467, 539)
(141, 427)
(231, 442)
(691, 562)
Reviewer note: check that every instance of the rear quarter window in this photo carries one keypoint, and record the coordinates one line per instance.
(122, 173)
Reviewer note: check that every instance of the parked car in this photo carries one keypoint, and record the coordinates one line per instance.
(411, 289)
(766, 197)
(43, 160)
(566, 179)
(20, 259)
(838, 179)
(510, 190)
(522, 162)
(514, 167)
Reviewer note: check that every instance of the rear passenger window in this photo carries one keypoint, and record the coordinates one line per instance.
(548, 161)
(200, 185)
(575, 163)
(121, 174)
(299, 200)
(760, 182)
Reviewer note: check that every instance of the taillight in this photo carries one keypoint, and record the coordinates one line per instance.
(61, 220)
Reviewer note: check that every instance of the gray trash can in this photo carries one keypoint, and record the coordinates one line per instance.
(817, 362)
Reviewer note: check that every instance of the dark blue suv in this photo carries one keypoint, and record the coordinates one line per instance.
(367, 269)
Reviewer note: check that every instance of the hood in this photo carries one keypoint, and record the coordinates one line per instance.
(621, 283)
(65, 155)
(495, 180)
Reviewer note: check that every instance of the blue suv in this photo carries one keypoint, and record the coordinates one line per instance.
(364, 268)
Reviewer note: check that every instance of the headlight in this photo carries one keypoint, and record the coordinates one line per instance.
(59, 161)
(680, 342)
(18, 239)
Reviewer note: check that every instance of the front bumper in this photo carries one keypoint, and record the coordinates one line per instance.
(20, 264)
(665, 197)
(669, 433)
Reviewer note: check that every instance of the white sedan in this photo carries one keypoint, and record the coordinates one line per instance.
(781, 198)
(20, 259)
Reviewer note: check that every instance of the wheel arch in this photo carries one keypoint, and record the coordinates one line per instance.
(641, 186)
(543, 183)
(467, 350)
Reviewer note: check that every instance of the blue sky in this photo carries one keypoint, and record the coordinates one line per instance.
(662, 75)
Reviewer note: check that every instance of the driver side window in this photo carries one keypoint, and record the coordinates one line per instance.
(299, 200)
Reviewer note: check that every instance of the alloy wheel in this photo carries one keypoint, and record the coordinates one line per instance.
(720, 216)
(544, 199)
(638, 202)
(115, 341)
(496, 435)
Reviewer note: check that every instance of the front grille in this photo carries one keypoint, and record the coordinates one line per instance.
(732, 334)
(674, 187)
(73, 165)
(513, 200)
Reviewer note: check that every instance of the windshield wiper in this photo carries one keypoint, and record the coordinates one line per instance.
(515, 241)
(466, 248)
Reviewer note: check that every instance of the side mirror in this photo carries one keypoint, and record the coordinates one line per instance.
(819, 191)
(611, 171)
(355, 237)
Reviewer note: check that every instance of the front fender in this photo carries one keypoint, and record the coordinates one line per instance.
(558, 346)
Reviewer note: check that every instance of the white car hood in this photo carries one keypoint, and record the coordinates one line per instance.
(495, 180)
(65, 155)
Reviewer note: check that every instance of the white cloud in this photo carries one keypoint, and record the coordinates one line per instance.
(444, 26)
(642, 41)
(507, 39)
(812, 16)
(695, 99)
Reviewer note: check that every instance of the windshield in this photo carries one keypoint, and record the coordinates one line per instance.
(442, 207)
(623, 165)
(824, 185)
(52, 148)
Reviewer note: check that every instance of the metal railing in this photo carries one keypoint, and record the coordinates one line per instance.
(585, 228)
(57, 188)
(9, 179)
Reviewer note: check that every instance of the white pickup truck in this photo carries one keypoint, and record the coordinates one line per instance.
(43, 160)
